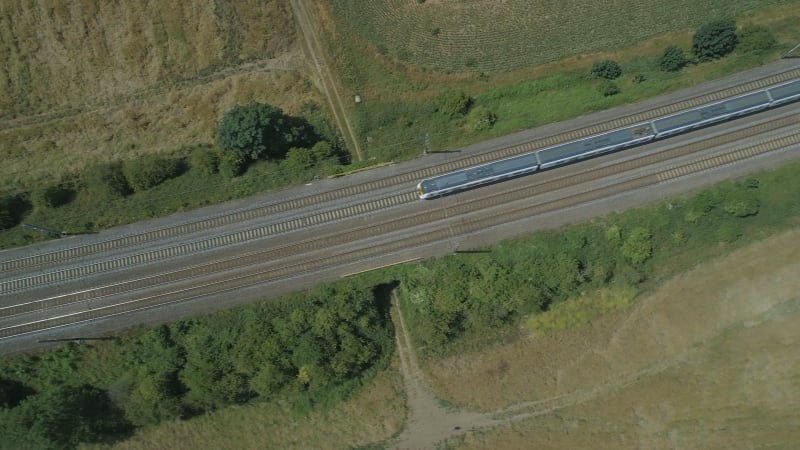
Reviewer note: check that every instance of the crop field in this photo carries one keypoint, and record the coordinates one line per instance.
(488, 35)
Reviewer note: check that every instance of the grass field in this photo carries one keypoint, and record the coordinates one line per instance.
(87, 81)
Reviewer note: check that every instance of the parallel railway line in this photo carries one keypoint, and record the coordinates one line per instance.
(61, 256)
(293, 259)
(250, 251)
(369, 206)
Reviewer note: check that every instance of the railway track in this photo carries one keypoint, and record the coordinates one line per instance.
(409, 178)
(356, 209)
(459, 219)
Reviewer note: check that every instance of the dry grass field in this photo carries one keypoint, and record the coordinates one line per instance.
(89, 81)
(707, 361)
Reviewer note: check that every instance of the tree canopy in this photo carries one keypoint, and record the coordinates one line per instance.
(257, 130)
(714, 40)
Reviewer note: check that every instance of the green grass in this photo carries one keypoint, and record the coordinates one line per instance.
(579, 311)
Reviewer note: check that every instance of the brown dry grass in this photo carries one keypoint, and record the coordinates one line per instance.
(87, 81)
(707, 361)
(375, 414)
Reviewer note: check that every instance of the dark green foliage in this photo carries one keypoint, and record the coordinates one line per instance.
(307, 350)
(673, 59)
(755, 38)
(481, 118)
(205, 160)
(62, 417)
(257, 130)
(106, 180)
(714, 40)
(12, 392)
(453, 104)
(607, 69)
(149, 170)
(639, 78)
(51, 196)
(12, 208)
(608, 88)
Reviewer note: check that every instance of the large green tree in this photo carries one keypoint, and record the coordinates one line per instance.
(61, 417)
(257, 130)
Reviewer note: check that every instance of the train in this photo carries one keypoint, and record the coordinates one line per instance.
(608, 142)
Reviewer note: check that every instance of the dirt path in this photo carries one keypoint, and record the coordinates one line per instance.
(316, 54)
(428, 421)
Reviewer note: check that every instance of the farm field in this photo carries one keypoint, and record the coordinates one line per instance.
(490, 36)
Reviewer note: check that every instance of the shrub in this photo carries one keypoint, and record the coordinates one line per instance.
(714, 40)
(205, 160)
(147, 171)
(607, 69)
(230, 164)
(608, 88)
(673, 59)
(755, 38)
(12, 208)
(50, 197)
(298, 159)
(106, 180)
(453, 103)
(638, 247)
(481, 118)
(742, 206)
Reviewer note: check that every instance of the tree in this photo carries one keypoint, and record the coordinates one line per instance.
(62, 417)
(714, 40)
(257, 130)
(673, 59)
(607, 69)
